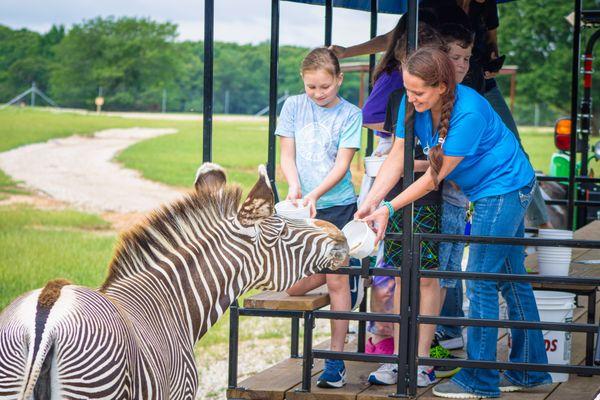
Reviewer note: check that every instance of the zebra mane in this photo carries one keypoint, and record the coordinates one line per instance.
(167, 225)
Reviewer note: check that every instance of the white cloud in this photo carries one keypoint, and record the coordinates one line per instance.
(242, 21)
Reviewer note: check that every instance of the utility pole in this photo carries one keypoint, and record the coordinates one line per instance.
(33, 90)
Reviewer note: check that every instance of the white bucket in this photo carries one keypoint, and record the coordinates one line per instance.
(554, 260)
(361, 239)
(556, 307)
(373, 164)
(287, 209)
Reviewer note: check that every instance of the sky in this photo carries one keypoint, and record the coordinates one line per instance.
(241, 21)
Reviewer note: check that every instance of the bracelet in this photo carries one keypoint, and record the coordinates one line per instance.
(389, 207)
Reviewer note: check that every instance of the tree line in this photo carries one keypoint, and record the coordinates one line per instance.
(134, 62)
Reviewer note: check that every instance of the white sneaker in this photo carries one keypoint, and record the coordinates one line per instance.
(425, 376)
(386, 374)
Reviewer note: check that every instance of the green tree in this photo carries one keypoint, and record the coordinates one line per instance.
(131, 59)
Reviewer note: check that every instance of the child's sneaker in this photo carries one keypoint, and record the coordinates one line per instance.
(425, 376)
(438, 351)
(449, 342)
(334, 374)
(386, 374)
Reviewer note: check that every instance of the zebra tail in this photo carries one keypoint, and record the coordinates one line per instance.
(39, 364)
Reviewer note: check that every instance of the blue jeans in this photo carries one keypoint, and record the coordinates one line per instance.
(451, 254)
(537, 214)
(501, 216)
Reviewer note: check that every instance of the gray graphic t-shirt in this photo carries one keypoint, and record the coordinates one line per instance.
(318, 133)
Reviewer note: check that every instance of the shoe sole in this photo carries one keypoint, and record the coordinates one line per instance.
(509, 389)
(374, 381)
(446, 374)
(330, 385)
(453, 344)
(457, 395)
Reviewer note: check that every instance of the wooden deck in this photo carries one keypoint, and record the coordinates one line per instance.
(283, 380)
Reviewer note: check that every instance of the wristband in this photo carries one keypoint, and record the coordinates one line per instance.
(389, 207)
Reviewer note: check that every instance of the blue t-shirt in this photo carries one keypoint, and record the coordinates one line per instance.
(493, 162)
(318, 133)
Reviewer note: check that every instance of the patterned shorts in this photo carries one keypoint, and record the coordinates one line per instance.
(427, 219)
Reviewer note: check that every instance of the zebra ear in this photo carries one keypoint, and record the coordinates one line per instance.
(210, 177)
(260, 201)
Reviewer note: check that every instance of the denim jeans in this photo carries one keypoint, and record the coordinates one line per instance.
(452, 308)
(451, 254)
(501, 216)
(537, 214)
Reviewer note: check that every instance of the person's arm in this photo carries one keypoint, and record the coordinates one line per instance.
(492, 43)
(389, 173)
(375, 45)
(419, 188)
(378, 126)
(340, 167)
(421, 165)
(288, 166)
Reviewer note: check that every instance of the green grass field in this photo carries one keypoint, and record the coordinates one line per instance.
(41, 245)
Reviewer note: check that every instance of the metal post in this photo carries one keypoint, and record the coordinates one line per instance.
(574, 97)
(273, 93)
(373, 33)
(33, 90)
(328, 21)
(413, 329)
(207, 116)
(586, 115)
(295, 336)
(234, 318)
(407, 214)
(164, 101)
(307, 358)
(589, 337)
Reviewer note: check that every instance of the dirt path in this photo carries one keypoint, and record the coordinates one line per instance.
(81, 171)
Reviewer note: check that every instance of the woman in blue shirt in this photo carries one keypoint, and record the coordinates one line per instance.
(473, 148)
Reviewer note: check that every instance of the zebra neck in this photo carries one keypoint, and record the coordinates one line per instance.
(189, 282)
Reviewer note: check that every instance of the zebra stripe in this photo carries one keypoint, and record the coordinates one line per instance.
(169, 282)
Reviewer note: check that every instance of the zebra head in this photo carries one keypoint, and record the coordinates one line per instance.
(284, 250)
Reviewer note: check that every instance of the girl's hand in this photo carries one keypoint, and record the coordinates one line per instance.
(378, 222)
(294, 194)
(311, 201)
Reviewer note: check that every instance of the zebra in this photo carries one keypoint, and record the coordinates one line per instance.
(170, 280)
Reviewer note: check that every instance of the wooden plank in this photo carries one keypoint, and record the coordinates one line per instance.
(357, 373)
(274, 382)
(313, 300)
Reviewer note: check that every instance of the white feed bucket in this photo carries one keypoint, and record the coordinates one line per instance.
(361, 239)
(287, 209)
(372, 165)
(556, 307)
(554, 260)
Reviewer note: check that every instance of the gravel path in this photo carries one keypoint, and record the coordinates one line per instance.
(80, 170)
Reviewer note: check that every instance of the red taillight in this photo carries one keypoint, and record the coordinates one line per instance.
(562, 134)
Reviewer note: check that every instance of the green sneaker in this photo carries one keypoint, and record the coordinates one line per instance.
(438, 351)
